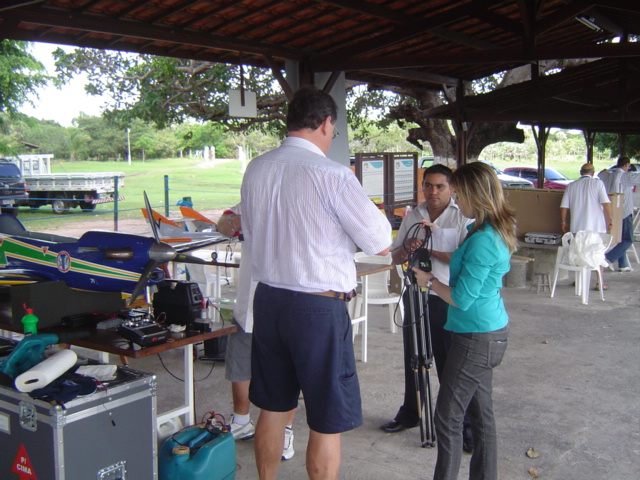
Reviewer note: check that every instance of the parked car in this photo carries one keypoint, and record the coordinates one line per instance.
(12, 186)
(425, 162)
(553, 179)
(507, 180)
(633, 167)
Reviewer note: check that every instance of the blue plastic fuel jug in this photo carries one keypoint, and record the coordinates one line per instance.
(196, 453)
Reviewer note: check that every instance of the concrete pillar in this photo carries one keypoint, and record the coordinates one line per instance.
(339, 151)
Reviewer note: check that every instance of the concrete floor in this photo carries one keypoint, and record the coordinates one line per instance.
(568, 387)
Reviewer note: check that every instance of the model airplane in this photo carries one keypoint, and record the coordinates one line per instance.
(97, 261)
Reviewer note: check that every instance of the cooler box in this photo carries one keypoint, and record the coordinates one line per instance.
(107, 435)
(541, 238)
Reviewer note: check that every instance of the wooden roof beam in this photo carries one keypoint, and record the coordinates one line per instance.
(417, 75)
(11, 4)
(95, 23)
(503, 56)
(413, 28)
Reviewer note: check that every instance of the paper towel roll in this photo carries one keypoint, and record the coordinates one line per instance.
(46, 371)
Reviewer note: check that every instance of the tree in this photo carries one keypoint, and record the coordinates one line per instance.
(170, 90)
(611, 142)
(167, 91)
(20, 75)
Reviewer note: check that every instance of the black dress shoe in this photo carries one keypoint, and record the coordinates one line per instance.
(467, 444)
(394, 427)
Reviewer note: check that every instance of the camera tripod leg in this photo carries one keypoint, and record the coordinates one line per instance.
(421, 358)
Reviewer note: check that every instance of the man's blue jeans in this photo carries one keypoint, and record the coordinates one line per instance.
(619, 252)
(467, 381)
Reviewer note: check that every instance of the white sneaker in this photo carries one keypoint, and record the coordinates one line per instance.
(287, 451)
(625, 269)
(242, 432)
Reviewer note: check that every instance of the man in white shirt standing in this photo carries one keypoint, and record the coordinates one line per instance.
(303, 218)
(621, 180)
(587, 201)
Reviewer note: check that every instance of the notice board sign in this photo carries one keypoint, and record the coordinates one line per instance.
(403, 168)
(389, 179)
(371, 170)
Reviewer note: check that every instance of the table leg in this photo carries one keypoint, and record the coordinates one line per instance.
(187, 410)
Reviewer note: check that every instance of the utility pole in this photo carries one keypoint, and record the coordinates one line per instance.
(128, 148)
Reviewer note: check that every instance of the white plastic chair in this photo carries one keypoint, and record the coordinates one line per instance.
(378, 290)
(582, 274)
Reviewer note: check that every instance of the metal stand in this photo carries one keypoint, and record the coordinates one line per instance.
(421, 358)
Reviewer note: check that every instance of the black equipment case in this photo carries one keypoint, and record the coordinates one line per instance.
(177, 302)
(107, 435)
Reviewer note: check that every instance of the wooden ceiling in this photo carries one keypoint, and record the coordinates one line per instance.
(400, 43)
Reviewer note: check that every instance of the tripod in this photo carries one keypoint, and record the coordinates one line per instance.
(420, 349)
(421, 357)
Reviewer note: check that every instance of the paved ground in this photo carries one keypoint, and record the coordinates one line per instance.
(568, 387)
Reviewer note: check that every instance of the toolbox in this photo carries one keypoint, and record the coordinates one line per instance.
(542, 238)
(107, 435)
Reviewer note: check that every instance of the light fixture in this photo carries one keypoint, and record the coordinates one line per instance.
(589, 22)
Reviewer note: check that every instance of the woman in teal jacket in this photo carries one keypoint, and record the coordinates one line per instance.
(478, 322)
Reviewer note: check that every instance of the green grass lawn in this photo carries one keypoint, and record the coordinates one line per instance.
(215, 186)
(212, 187)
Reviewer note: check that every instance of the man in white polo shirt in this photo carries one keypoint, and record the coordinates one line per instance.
(587, 201)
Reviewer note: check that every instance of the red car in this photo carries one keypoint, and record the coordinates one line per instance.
(553, 179)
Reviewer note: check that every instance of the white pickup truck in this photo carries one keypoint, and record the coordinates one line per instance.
(64, 190)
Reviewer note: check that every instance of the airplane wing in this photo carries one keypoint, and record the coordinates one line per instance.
(185, 239)
(196, 244)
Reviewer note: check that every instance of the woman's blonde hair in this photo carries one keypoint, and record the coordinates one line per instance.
(478, 184)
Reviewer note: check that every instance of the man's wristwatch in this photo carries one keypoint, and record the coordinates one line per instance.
(430, 282)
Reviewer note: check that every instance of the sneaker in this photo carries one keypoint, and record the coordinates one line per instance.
(242, 432)
(287, 451)
(625, 269)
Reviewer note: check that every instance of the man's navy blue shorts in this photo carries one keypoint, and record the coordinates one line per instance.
(304, 342)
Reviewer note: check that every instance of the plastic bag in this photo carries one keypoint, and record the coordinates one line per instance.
(587, 250)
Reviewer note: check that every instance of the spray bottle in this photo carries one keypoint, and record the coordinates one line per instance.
(29, 321)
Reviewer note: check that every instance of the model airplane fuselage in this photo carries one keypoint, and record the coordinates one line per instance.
(97, 261)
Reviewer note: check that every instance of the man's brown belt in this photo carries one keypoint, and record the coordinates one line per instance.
(341, 295)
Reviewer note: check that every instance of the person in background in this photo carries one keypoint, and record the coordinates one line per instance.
(621, 180)
(587, 201)
(238, 354)
(477, 320)
(440, 212)
(304, 216)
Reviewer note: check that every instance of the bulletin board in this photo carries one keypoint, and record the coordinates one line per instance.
(389, 179)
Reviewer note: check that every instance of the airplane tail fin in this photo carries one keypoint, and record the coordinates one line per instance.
(11, 225)
(191, 213)
(159, 219)
(199, 221)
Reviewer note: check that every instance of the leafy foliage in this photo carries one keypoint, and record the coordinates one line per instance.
(20, 75)
(610, 142)
(167, 91)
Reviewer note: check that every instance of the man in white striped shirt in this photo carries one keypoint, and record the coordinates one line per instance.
(304, 216)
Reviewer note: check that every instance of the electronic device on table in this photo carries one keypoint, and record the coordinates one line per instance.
(140, 328)
(543, 238)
